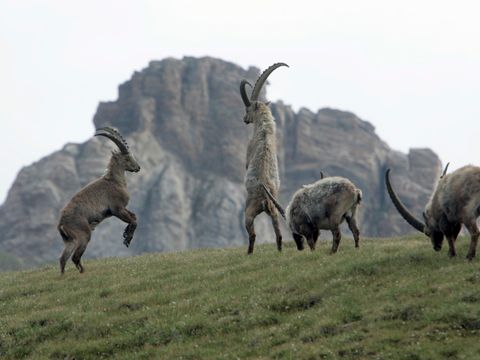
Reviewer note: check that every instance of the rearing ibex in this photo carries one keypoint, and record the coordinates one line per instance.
(262, 166)
(102, 198)
(455, 201)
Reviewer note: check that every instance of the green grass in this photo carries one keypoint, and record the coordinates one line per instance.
(391, 299)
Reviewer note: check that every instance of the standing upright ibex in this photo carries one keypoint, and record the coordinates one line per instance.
(455, 201)
(262, 166)
(102, 198)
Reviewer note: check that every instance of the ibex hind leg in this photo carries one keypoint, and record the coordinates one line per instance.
(337, 235)
(276, 228)
(67, 252)
(474, 234)
(251, 212)
(69, 243)
(79, 250)
(352, 225)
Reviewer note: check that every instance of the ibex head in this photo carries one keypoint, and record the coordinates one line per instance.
(429, 226)
(252, 104)
(124, 157)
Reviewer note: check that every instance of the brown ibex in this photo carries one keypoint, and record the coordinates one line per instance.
(262, 166)
(323, 205)
(455, 201)
(102, 198)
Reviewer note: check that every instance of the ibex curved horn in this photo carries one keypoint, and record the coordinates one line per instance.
(412, 220)
(243, 92)
(445, 170)
(115, 136)
(261, 80)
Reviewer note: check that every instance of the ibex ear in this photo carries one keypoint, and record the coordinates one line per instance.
(267, 103)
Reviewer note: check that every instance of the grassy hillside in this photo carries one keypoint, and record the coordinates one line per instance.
(392, 299)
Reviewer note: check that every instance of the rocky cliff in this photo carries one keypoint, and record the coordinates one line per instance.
(183, 121)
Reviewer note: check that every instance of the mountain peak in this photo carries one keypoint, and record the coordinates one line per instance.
(183, 121)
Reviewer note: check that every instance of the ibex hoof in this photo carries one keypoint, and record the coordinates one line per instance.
(470, 256)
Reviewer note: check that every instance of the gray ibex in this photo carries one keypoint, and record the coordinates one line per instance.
(455, 201)
(323, 205)
(262, 166)
(102, 198)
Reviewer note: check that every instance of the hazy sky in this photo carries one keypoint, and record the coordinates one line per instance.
(411, 68)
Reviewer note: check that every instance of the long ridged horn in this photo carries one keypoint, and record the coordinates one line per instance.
(275, 202)
(243, 92)
(115, 136)
(445, 170)
(261, 80)
(412, 220)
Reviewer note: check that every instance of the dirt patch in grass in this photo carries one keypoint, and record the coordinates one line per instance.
(408, 313)
(351, 353)
(295, 304)
(324, 332)
(130, 306)
(462, 322)
(471, 298)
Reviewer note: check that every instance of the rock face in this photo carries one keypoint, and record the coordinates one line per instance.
(183, 121)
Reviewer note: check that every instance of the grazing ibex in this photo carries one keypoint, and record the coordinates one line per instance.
(323, 205)
(102, 198)
(262, 166)
(455, 201)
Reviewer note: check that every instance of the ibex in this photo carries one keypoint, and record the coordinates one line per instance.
(455, 201)
(323, 205)
(102, 198)
(262, 166)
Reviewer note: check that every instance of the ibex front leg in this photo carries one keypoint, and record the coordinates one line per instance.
(130, 218)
